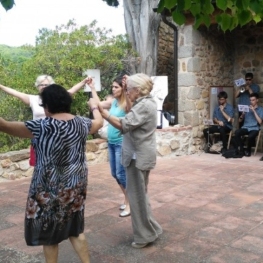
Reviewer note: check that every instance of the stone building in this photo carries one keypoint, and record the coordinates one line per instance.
(207, 58)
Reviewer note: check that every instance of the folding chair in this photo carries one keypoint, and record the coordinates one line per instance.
(229, 134)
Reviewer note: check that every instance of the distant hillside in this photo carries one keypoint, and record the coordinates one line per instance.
(16, 54)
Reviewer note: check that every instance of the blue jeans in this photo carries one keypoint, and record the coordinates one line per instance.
(117, 170)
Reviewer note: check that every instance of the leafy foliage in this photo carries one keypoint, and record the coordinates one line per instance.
(16, 54)
(65, 53)
(7, 4)
(228, 13)
(112, 2)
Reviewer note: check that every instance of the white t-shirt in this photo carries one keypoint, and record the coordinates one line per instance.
(38, 111)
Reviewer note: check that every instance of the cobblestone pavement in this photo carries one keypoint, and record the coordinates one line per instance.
(210, 208)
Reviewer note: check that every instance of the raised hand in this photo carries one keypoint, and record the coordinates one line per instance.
(91, 82)
(124, 82)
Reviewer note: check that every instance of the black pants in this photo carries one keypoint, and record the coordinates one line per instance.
(239, 142)
(240, 123)
(223, 130)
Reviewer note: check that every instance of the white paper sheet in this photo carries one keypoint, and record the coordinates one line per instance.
(243, 108)
(240, 82)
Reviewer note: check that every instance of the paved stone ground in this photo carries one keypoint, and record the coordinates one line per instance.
(210, 208)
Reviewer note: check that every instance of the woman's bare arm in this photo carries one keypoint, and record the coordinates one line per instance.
(78, 86)
(97, 122)
(105, 104)
(20, 95)
(15, 128)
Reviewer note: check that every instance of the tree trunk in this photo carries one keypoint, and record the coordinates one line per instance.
(142, 26)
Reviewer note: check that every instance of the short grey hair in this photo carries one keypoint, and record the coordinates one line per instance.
(41, 78)
(142, 82)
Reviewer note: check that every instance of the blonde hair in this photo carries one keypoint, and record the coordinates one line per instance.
(41, 78)
(142, 82)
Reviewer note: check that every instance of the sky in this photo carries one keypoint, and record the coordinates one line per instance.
(20, 25)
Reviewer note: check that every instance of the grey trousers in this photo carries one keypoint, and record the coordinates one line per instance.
(145, 227)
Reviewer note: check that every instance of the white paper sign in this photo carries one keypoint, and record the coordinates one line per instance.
(159, 93)
(243, 108)
(95, 74)
(240, 82)
(208, 122)
(214, 91)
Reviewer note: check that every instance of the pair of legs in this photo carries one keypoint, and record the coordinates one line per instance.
(239, 142)
(118, 171)
(145, 227)
(79, 244)
(223, 130)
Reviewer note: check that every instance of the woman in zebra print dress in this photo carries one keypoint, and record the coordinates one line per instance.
(57, 193)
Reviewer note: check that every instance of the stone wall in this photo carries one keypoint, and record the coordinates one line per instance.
(15, 164)
(207, 58)
(175, 141)
(172, 141)
(248, 52)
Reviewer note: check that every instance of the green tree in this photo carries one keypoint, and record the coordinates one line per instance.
(227, 13)
(7, 4)
(65, 53)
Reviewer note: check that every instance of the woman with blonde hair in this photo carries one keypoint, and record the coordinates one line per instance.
(118, 107)
(138, 155)
(34, 101)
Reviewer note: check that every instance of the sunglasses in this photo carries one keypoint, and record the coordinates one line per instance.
(43, 85)
(248, 79)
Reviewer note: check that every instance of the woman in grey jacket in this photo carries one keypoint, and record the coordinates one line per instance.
(139, 155)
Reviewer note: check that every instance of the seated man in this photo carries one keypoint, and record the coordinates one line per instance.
(251, 127)
(249, 88)
(223, 116)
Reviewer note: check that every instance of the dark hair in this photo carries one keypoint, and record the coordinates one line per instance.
(254, 94)
(249, 75)
(119, 77)
(56, 99)
(222, 94)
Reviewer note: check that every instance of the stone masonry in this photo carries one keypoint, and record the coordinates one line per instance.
(171, 141)
(207, 58)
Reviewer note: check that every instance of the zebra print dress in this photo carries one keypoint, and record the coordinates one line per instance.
(57, 193)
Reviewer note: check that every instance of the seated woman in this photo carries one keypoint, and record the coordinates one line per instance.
(57, 193)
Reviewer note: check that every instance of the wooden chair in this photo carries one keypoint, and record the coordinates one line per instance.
(257, 141)
(229, 134)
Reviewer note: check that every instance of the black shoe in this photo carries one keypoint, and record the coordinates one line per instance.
(261, 159)
(241, 153)
(238, 154)
(247, 153)
(206, 148)
(223, 150)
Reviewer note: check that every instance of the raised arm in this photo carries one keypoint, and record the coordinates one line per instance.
(78, 86)
(15, 128)
(124, 86)
(105, 104)
(114, 121)
(20, 95)
(97, 122)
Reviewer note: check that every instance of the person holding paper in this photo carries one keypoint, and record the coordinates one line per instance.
(248, 88)
(252, 121)
(223, 116)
